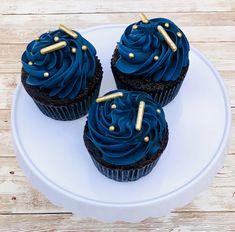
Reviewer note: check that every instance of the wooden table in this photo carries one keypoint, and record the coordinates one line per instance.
(210, 27)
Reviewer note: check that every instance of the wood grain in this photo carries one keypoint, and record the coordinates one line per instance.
(210, 27)
(93, 6)
(213, 27)
(175, 222)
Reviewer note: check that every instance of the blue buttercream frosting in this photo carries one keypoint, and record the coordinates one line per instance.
(69, 72)
(125, 145)
(146, 42)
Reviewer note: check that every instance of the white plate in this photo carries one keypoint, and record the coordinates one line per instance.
(54, 158)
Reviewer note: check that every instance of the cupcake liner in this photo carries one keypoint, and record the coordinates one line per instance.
(69, 112)
(125, 175)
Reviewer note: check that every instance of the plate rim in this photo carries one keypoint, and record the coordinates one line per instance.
(221, 147)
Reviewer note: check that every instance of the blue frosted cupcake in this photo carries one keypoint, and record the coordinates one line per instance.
(61, 73)
(125, 134)
(152, 56)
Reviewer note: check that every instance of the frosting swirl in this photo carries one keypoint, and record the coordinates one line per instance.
(125, 145)
(153, 58)
(68, 70)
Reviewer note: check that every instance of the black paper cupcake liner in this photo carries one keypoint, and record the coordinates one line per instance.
(162, 97)
(69, 112)
(125, 175)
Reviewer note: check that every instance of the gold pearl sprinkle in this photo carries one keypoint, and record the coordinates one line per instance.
(167, 25)
(84, 47)
(113, 106)
(134, 27)
(146, 139)
(37, 38)
(158, 110)
(179, 34)
(56, 38)
(74, 50)
(46, 74)
(155, 58)
(30, 63)
(131, 55)
(111, 128)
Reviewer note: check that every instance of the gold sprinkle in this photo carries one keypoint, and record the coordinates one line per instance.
(113, 106)
(37, 38)
(155, 58)
(158, 110)
(30, 63)
(46, 74)
(143, 17)
(56, 38)
(111, 128)
(53, 47)
(109, 97)
(84, 47)
(140, 115)
(146, 139)
(167, 38)
(68, 31)
(74, 50)
(179, 34)
(167, 25)
(131, 55)
(134, 27)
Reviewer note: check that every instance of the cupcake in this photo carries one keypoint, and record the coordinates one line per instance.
(152, 56)
(61, 73)
(125, 134)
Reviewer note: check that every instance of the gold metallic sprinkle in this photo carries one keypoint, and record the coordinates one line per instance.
(167, 38)
(140, 115)
(74, 50)
(56, 38)
(146, 139)
(179, 34)
(134, 27)
(131, 55)
(68, 31)
(111, 128)
(53, 47)
(46, 74)
(143, 17)
(109, 97)
(84, 47)
(158, 110)
(155, 58)
(166, 25)
(37, 38)
(113, 106)
(30, 63)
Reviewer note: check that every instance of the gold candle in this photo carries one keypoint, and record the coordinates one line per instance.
(53, 47)
(109, 97)
(140, 115)
(68, 31)
(167, 38)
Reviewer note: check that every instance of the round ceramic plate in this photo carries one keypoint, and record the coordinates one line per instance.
(55, 159)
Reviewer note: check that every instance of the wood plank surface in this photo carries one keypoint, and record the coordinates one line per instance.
(210, 27)
(103, 6)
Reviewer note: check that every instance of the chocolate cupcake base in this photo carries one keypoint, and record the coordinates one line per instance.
(65, 109)
(123, 173)
(162, 92)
